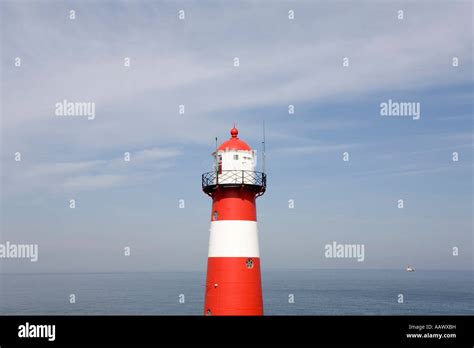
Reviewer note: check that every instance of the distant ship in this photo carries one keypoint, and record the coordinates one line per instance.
(410, 269)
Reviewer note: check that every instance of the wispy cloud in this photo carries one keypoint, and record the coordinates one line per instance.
(411, 170)
(29, 179)
(432, 170)
(91, 182)
(314, 149)
(139, 105)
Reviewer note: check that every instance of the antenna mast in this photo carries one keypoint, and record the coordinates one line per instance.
(215, 157)
(263, 146)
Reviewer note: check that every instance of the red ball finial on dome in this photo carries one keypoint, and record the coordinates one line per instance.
(234, 131)
(234, 143)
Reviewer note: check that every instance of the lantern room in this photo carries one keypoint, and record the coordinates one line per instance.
(235, 154)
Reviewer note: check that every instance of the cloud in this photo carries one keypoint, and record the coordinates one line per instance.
(190, 62)
(47, 178)
(64, 168)
(432, 170)
(91, 182)
(314, 149)
(412, 170)
(154, 154)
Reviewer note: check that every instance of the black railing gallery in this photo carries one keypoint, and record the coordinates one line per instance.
(211, 180)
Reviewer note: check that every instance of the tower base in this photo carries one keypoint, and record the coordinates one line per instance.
(233, 286)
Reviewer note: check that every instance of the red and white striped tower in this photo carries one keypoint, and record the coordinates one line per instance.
(233, 285)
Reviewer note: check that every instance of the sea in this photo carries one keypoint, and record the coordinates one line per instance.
(286, 292)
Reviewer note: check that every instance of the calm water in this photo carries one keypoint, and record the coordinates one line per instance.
(316, 292)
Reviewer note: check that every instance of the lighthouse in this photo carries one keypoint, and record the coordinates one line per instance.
(233, 284)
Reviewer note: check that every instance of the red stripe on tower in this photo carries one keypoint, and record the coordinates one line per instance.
(233, 284)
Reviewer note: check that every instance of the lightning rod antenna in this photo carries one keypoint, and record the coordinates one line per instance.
(215, 157)
(263, 146)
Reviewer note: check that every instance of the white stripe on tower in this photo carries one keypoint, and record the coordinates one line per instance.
(233, 238)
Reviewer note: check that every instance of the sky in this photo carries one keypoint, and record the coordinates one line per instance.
(282, 62)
